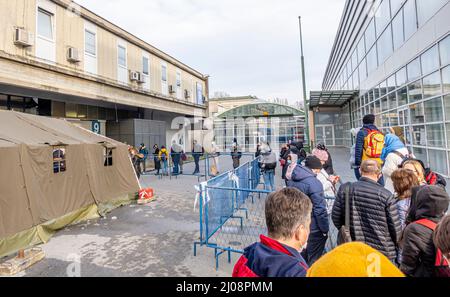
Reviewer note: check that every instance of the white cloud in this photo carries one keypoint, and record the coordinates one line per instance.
(247, 46)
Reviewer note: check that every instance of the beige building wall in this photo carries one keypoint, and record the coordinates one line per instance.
(69, 30)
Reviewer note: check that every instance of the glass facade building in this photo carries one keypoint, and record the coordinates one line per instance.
(396, 55)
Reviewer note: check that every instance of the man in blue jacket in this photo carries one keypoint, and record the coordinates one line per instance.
(305, 179)
(368, 125)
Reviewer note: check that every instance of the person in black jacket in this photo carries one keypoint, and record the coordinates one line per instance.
(374, 217)
(294, 148)
(419, 252)
(305, 180)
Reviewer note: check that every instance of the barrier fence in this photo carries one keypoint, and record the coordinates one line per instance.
(231, 211)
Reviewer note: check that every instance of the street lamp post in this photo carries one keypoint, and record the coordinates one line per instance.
(305, 95)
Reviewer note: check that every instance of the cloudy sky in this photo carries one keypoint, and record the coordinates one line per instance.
(246, 46)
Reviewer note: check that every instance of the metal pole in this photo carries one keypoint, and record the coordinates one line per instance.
(305, 96)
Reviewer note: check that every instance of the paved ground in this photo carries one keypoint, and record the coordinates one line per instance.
(151, 240)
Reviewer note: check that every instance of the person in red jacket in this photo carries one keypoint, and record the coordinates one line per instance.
(288, 217)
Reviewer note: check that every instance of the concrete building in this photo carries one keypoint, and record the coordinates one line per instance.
(61, 60)
(390, 58)
(251, 120)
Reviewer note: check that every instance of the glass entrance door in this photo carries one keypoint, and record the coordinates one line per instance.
(325, 135)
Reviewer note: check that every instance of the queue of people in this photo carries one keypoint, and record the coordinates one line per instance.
(396, 211)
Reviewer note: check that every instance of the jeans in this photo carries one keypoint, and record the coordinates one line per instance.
(176, 163)
(315, 247)
(269, 180)
(165, 167)
(197, 162)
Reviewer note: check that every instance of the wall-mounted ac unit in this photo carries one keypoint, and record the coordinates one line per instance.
(23, 37)
(135, 76)
(142, 79)
(73, 55)
(187, 94)
(172, 89)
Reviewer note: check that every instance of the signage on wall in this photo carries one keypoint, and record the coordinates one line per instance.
(96, 127)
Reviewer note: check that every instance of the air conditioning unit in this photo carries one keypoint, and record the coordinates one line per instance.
(142, 79)
(73, 55)
(187, 94)
(23, 37)
(135, 76)
(172, 89)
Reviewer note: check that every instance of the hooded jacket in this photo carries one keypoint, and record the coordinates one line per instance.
(294, 148)
(359, 146)
(374, 217)
(269, 258)
(419, 252)
(306, 181)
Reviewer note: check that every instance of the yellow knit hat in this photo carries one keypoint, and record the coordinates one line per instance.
(354, 259)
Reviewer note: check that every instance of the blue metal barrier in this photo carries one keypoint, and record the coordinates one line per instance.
(232, 211)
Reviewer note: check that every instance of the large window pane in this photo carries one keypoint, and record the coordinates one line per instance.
(414, 70)
(448, 135)
(435, 135)
(163, 73)
(382, 16)
(391, 83)
(445, 51)
(370, 34)
(433, 110)
(401, 77)
(415, 91)
(395, 5)
(420, 154)
(397, 30)
(45, 27)
(417, 113)
(392, 101)
(89, 43)
(426, 9)
(432, 85)
(372, 62)
(384, 103)
(145, 65)
(393, 119)
(430, 60)
(361, 50)
(385, 120)
(402, 95)
(447, 110)
(122, 54)
(410, 17)
(446, 79)
(419, 136)
(438, 161)
(384, 45)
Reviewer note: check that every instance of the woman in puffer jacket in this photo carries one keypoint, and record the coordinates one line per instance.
(393, 154)
(419, 252)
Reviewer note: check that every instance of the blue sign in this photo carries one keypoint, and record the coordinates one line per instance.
(96, 127)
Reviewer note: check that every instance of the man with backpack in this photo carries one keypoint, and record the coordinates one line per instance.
(369, 145)
(420, 258)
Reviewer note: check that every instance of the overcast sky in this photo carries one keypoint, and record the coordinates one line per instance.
(246, 46)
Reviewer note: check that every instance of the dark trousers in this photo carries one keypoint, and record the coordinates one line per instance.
(315, 248)
(197, 163)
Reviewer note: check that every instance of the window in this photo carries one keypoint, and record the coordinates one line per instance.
(402, 96)
(401, 77)
(384, 45)
(410, 18)
(446, 79)
(178, 79)
(355, 60)
(372, 62)
(420, 153)
(45, 25)
(397, 30)
(391, 84)
(382, 16)
(447, 110)
(448, 138)
(370, 34)
(436, 135)
(122, 56)
(445, 51)
(164, 73)
(392, 101)
(430, 60)
(362, 70)
(432, 85)
(384, 103)
(90, 46)
(415, 91)
(419, 136)
(108, 157)
(59, 159)
(413, 70)
(145, 65)
(433, 110)
(417, 113)
(362, 50)
(438, 161)
(385, 120)
(426, 9)
(395, 5)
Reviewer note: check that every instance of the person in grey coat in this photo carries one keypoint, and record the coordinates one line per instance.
(268, 165)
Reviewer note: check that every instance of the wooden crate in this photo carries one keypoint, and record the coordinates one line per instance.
(15, 265)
